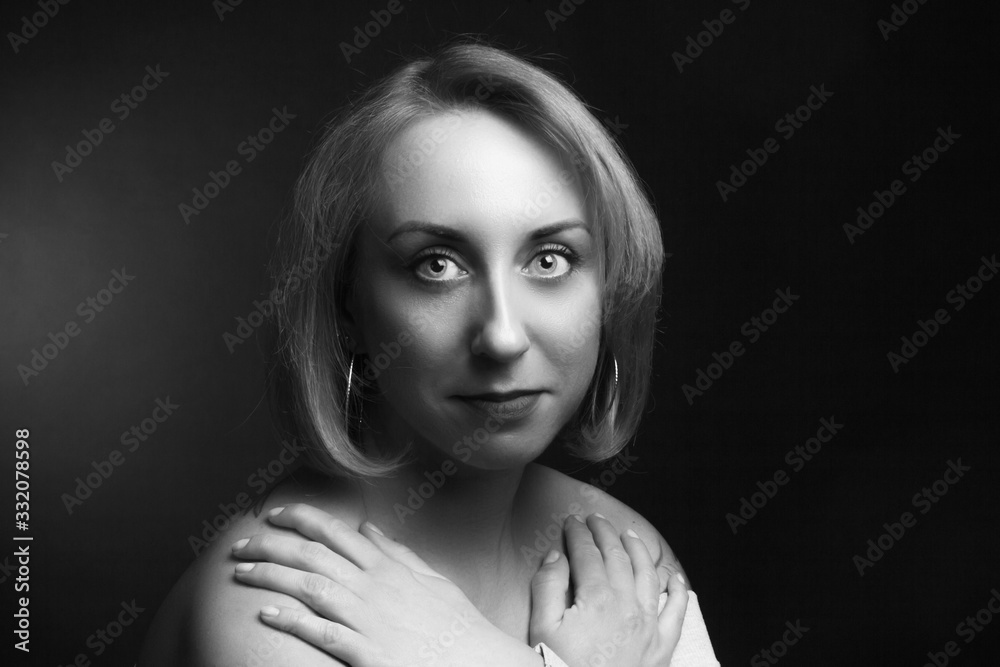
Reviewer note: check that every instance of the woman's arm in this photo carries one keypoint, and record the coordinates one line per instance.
(378, 609)
(374, 602)
(218, 615)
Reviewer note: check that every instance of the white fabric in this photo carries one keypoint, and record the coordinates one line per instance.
(694, 649)
(550, 657)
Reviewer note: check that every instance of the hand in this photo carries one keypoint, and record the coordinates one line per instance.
(615, 611)
(377, 603)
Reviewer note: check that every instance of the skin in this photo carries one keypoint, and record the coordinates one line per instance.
(490, 316)
(486, 297)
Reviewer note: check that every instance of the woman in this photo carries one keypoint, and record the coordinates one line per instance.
(492, 279)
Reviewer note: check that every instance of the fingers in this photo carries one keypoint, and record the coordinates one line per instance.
(328, 598)
(667, 566)
(647, 583)
(617, 563)
(322, 527)
(294, 552)
(337, 640)
(549, 588)
(397, 551)
(672, 617)
(585, 560)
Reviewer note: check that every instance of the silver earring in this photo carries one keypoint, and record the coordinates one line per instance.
(350, 380)
(613, 394)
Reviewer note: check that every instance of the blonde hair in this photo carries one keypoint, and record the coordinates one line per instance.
(339, 189)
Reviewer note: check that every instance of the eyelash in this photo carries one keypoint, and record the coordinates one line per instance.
(568, 254)
(572, 257)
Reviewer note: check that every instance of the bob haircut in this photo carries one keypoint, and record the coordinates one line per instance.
(339, 189)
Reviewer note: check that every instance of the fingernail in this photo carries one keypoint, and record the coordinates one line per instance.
(598, 515)
(680, 578)
(577, 517)
(240, 544)
(243, 568)
(275, 512)
(372, 527)
(269, 612)
(551, 557)
(632, 533)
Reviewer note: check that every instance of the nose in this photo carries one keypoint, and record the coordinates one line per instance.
(499, 331)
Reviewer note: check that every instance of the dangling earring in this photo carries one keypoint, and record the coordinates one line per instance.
(613, 394)
(350, 383)
(616, 372)
(350, 380)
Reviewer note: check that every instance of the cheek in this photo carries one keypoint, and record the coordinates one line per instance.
(573, 333)
(404, 338)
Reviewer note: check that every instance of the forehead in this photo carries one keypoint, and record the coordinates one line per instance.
(476, 166)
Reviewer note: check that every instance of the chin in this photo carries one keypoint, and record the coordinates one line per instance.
(503, 449)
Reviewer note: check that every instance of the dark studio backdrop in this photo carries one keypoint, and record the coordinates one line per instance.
(769, 474)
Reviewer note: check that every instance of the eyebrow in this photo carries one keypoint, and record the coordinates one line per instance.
(452, 234)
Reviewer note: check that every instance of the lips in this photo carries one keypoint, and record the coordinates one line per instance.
(504, 406)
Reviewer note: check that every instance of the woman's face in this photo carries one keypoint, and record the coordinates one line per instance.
(478, 296)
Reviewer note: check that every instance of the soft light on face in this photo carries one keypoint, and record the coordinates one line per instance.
(478, 297)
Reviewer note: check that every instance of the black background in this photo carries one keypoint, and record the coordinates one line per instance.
(825, 357)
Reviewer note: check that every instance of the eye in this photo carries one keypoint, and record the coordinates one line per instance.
(552, 262)
(437, 267)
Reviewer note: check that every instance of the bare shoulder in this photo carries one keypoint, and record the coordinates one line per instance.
(560, 495)
(211, 619)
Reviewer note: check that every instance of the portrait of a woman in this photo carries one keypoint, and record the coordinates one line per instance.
(491, 290)
(406, 333)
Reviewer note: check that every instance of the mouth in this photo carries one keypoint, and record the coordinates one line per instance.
(504, 406)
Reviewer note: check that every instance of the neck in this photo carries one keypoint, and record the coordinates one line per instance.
(443, 508)
(449, 513)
